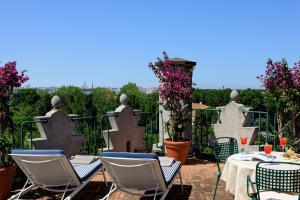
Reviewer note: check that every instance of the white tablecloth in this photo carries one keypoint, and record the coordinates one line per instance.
(235, 174)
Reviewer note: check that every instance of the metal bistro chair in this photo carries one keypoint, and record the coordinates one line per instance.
(223, 148)
(275, 180)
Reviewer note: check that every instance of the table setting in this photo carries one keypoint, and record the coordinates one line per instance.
(239, 166)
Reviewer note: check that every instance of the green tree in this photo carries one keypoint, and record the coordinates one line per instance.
(103, 100)
(74, 100)
(136, 97)
(151, 103)
(211, 97)
(43, 105)
(252, 98)
(23, 104)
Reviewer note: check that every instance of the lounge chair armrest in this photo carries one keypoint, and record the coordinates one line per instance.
(253, 187)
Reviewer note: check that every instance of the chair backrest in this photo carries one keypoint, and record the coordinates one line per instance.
(224, 147)
(46, 167)
(140, 171)
(278, 176)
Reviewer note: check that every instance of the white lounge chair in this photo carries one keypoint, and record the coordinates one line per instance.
(52, 171)
(139, 174)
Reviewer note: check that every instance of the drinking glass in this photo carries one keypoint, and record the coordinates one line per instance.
(243, 143)
(283, 141)
(268, 149)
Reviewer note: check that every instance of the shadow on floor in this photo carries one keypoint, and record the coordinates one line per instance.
(96, 190)
(197, 161)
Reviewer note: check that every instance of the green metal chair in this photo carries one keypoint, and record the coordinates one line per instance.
(282, 179)
(223, 148)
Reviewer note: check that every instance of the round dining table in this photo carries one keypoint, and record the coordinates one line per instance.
(236, 170)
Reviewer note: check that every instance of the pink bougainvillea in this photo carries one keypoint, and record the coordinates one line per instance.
(9, 78)
(278, 77)
(175, 88)
(283, 83)
(296, 74)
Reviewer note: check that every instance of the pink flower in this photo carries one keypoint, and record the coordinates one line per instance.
(9, 79)
(175, 85)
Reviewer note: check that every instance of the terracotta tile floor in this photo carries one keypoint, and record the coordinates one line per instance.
(199, 179)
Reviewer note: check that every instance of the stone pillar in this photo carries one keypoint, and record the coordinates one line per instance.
(164, 116)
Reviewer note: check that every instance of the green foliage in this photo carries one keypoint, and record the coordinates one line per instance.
(136, 97)
(43, 105)
(23, 105)
(103, 100)
(151, 102)
(258, 100)
(252, 98)
(211, 98)
(74, 100)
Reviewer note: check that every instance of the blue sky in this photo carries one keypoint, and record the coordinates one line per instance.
(111, 42)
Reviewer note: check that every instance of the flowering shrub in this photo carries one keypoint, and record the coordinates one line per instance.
(9, 79)
(283, 83)
(175, 92)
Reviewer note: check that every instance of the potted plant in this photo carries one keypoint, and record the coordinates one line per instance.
(10, 78)
(176, 94)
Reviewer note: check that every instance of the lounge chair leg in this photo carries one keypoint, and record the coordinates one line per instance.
(113, 189)
(78, 189)
(155, 191)
(182, 190)
(164, 194)
(22, 192)
(104, 177)
(65, 190)
(218, 179)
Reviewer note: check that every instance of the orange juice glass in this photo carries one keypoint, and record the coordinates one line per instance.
(243, 140)
(283, 141)
(268, 149)
(243, 143)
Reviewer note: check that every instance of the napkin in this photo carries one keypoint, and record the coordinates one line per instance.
(166, 161)
(83, 159)
(243, 157)
(253, 157)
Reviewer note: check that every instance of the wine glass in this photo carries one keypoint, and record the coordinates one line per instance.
(283, 141)
(243, 143)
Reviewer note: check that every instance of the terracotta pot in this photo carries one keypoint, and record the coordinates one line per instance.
(6, 177)
(178, 150)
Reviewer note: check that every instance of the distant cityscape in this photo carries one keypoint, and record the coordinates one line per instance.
(87, 89)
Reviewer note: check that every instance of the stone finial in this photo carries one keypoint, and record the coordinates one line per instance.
(123, 99)
(56, 102)
(233, 95)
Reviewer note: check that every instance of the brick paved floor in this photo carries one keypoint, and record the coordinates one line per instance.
(199, 179)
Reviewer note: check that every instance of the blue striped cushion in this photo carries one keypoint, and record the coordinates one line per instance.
(171, 171)
(38, 152)
(129, 155)
(85, 171)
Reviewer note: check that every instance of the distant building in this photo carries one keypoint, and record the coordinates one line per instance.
(152, 90)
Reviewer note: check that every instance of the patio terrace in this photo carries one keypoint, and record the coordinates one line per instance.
(199, 179)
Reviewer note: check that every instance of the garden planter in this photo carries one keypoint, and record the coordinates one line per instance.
(6, 176)
(178, 150)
